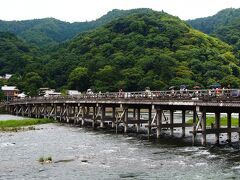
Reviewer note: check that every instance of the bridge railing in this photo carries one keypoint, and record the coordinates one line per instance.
(205, 94)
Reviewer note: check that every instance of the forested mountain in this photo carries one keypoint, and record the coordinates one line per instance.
(18, 58)
(49, 31)
(137, 49)
(224, 25)
(14, 54)
(144, 49)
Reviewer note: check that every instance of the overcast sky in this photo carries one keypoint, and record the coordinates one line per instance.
(82, 10)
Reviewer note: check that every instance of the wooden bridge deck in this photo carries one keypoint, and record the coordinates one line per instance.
(121, 106)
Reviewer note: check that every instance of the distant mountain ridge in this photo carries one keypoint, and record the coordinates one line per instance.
(225, 25)
(49, 31)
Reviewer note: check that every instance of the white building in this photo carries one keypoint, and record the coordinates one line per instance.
(73, 93)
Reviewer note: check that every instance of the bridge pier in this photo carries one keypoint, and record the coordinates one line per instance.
(94, 117)
(217, 126)
(134, 113)
(149, 121)
(126, 120)
(194, 126)
(159, 122)
(183, 122)
(114, 117)
(138, 111)
(229, 125)
(204, 137)
(83, 115)
(103, 116)
(238, 126)
(171, 121)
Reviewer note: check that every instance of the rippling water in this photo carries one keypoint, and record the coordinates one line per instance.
(80, 153)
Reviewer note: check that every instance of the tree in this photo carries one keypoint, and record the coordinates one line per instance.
(104, 79)
(32, 82)
(79, 79)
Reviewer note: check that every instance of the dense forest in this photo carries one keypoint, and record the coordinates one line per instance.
(125, 49)
(225, 25)
(49, 31)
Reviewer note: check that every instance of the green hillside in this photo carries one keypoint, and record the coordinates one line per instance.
(14, 54)
(143, 49)
(49, 31)
(224, 25)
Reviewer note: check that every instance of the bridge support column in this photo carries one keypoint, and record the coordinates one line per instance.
(17, 110)
(194, 126)
(83, 115)
(23, 109)
(229, 126)
(88, 111)
(113, 116)
(183, 122)
(126, 120)
(94, 117)
(55, 112)
(149, 121)
(103, 116)
(134, 113)
(217, 125)
(239, 125)
(204, 137)
(36, 111)
(171, 121)
(45, 111)
(159, 122)
(61, 113)
(74, 115)
(138, 118)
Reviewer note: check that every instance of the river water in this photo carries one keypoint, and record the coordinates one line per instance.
(80, 153)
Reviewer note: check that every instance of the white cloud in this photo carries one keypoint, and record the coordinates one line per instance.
(79, 10)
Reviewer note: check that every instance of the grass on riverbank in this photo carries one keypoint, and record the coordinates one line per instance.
(23, 122)
(223, 122)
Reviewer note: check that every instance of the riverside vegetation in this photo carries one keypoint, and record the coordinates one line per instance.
(16, 125)
(210, 120)
(134, 49)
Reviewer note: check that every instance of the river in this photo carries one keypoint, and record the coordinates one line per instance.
(80, 153)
